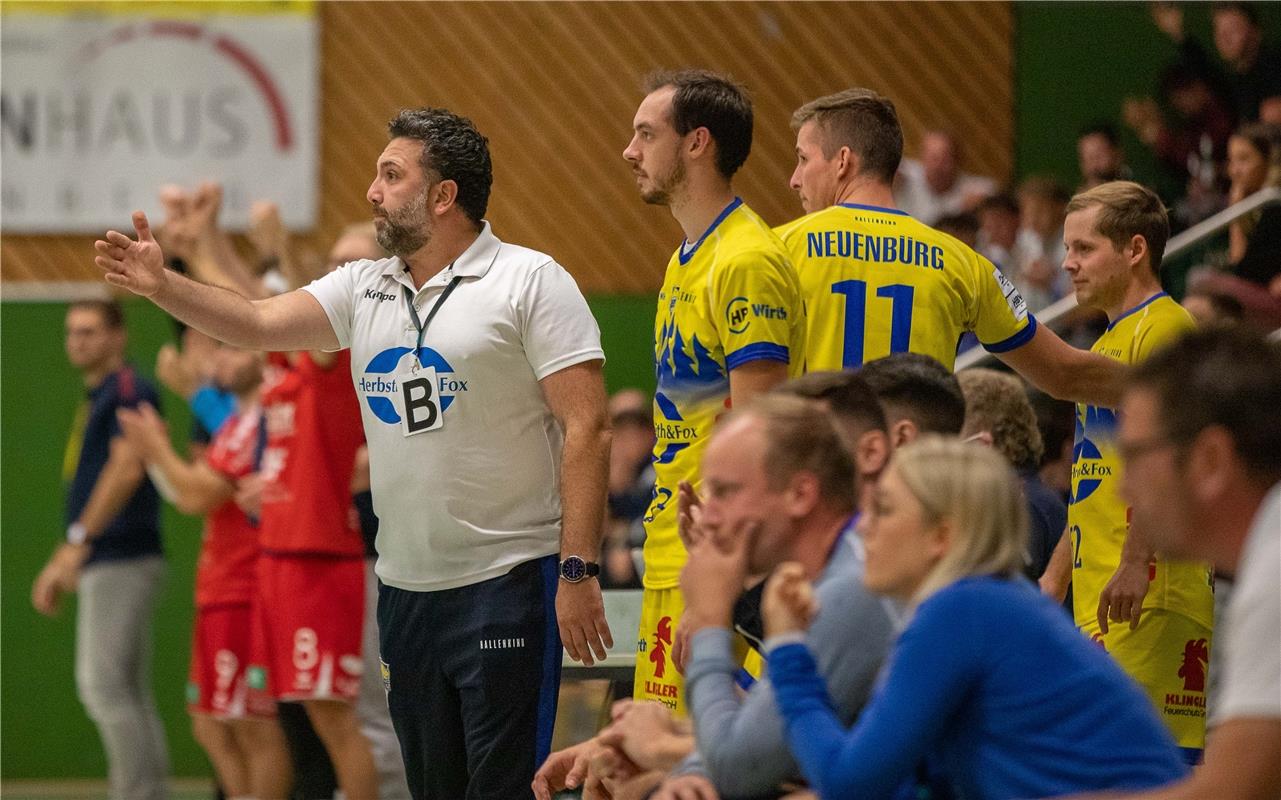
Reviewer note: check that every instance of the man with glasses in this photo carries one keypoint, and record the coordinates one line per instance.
(1153, 614)
(1201, 442)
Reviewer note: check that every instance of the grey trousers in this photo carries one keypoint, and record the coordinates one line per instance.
(371, 705)
(113, 672)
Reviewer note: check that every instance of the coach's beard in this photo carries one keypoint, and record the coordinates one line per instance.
(405, 230)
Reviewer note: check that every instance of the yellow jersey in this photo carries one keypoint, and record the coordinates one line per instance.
(877, 281)
(1098, 519)
(729, 299)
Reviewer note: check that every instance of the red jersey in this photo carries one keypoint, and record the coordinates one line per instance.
(229, 552)
(313, 432)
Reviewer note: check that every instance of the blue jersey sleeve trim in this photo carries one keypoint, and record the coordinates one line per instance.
(1139, 307)
(761, 351)
(1017, 340)
(684, 256)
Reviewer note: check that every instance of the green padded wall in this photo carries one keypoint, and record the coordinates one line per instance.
(43, 730)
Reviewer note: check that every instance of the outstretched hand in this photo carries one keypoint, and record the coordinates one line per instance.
(138, 266)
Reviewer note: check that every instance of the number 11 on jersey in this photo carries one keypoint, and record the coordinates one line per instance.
(900, 297)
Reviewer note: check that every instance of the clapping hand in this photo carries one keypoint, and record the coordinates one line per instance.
(789, 603)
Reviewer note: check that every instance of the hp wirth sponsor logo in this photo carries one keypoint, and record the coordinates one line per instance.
(374, 294)
(511, 643)
(736, 314)
(740, 312)
(379, 384)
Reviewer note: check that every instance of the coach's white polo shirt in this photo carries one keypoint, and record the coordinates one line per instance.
(464, 452)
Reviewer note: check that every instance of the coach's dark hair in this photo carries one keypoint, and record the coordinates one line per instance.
(1228, 377)
(453, 150)
(704, 99)
(919, 388)
(861, 120)
(112, 313)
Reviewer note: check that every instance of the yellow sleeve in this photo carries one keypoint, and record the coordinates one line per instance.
(999, 315)
(1159, 331)
(755, 303)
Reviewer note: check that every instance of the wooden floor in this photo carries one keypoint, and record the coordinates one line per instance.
(583, 708)
(179, 789)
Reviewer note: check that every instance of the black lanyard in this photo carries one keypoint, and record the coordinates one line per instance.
(413, 313)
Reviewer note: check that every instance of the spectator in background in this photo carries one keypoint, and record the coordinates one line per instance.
(1040, 253)
(1253, 281)
(999, 231)
(1253, 68)
(964, 226)
(1211, 307)
(1056, 422)
(997, 413)
(1192, 145)
(1254, 241)
(631, 487)
(111, 556)
(1099, 155)
(935, 186)
(1270, 110)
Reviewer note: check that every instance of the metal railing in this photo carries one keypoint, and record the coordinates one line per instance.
(1175, 247)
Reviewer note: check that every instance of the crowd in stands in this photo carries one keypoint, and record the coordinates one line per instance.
(876, 559)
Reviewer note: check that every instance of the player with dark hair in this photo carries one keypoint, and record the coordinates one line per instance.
(477, 365)
(730, 322)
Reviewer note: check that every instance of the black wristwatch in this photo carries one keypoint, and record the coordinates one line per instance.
(574, 569)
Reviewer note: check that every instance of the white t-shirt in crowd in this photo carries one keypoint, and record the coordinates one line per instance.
(476, 489)
(1252, 684)
(912, 193)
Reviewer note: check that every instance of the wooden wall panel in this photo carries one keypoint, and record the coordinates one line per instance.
(554, 86)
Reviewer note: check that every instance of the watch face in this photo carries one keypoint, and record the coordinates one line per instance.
(573, 569)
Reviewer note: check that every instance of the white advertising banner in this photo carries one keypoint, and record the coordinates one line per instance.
(104, 103)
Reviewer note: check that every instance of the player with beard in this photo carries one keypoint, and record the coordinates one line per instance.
(478, 365)
(730, 323)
